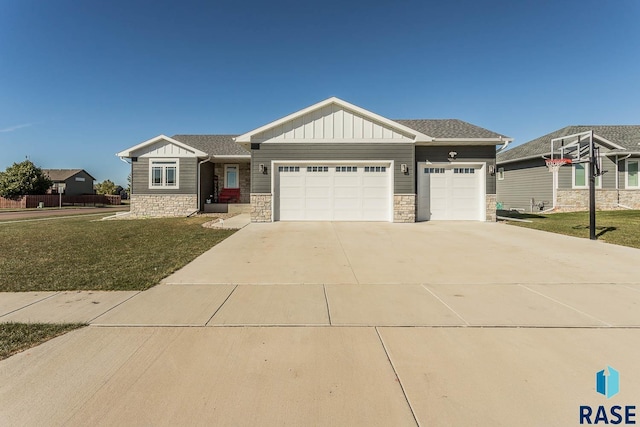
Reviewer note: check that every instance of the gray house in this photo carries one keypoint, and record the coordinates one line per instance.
(524, 182)
(70, 182)
(332, 161)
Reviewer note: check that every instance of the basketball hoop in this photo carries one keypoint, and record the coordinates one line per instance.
(554, 164)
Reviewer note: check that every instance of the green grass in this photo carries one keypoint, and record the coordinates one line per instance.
(17, 337)
(617, 227)
(84, 254)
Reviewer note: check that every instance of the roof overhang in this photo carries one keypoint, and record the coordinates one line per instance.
(127, 153)
(246, 139)
(467, 141)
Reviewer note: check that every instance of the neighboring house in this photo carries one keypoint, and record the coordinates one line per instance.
(70, 182)
(332, 161)
(525, 183)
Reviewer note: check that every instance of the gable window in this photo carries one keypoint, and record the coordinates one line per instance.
(163, 173)
(500, 174)
(632, 173)
(581, 177)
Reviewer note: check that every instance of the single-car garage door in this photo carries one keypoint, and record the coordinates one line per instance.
(358, 191)
(450, 192)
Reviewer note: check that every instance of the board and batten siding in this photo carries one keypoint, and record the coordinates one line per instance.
(523, 181)
(332, 122)
(608, 179)
(305, 152)
(465, 154)
(186, 178)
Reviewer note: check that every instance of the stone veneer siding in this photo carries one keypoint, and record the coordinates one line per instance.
(261, 207)
(404, 208)
(162, 205)
(491, 199)
(578, 200)
(629, 198)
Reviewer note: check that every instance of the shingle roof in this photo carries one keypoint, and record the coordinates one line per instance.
(448, 128)
(627, 136)
(214, 145)
(63, 174)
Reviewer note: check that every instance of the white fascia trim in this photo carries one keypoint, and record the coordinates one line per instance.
(418, 136)
(464, 141)
(534, 156)
(127, 153)
(337, 141)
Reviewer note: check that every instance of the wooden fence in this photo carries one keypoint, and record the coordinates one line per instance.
(54, 200)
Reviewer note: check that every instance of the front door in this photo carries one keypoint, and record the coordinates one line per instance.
(231, 176)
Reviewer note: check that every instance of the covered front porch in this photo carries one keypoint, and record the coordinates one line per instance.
(225, 184)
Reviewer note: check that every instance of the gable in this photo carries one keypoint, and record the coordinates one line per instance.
(164, 149)
(331, 123)
(333, 120)
(161, 146)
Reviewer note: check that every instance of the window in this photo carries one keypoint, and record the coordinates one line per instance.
(632, 174)
(500, 174)
(346, 169)
(163, 173)
(580, 176)
(80, 179)
(464, 170)
(288, 168)
(231, 176)
(433, 170)
(375, 168)
(317, 168)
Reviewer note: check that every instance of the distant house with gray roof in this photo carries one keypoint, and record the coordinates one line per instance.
(332, 161)
(525, 183)
(70, 182)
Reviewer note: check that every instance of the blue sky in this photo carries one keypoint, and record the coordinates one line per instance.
(82, 80)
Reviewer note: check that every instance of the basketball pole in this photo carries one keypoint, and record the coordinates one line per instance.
(592, 188)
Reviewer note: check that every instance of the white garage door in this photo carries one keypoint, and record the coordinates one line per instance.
(333, 192)
(450, 192)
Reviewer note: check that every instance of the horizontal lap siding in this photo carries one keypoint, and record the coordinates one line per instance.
(398, 152)
(481, 154)
(187, 177)
(524, 181)
(608, 179)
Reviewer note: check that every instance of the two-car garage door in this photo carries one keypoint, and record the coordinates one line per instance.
(358, 191)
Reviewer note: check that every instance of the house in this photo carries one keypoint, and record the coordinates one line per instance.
(525, 183)
(332, 161)
(70, 182)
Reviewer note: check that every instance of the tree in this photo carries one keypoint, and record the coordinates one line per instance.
(23, 178)
(106, 187)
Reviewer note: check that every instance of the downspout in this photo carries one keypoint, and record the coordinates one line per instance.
(506, 143)
(204, 161)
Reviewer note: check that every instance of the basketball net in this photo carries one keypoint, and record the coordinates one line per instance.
(554, 164)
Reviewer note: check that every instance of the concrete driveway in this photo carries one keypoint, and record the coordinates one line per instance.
(351, 324)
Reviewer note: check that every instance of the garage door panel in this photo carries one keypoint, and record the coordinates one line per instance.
(449, 192)
(342, 193)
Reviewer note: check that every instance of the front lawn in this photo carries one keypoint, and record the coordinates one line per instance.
(617, 227)
(84, 254)
(16, 337)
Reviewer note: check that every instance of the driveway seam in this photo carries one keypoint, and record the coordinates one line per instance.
(221, 305)
(404, 393)
(326, 300)
(446, 305)
(566, 305)
(120, 303)
(333, 227)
